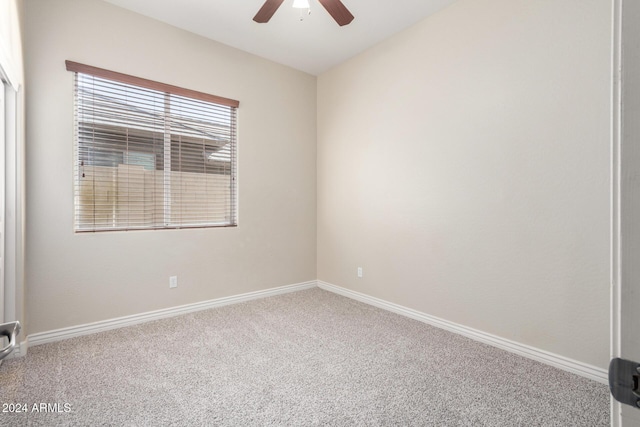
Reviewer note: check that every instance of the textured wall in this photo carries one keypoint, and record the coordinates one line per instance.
(80, 278)
(464, 164)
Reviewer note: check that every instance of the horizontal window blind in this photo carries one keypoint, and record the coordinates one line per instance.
(150, 159)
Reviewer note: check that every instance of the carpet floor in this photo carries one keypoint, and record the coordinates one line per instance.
(304, 358)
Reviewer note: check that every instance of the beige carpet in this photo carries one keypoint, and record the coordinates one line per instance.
(305, 358)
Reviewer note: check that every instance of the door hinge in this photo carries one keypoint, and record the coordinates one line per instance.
(9, 330)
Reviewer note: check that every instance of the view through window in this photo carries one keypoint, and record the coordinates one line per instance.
(148, 158)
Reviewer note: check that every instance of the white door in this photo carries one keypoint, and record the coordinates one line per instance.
(2, 196)
(626, 196)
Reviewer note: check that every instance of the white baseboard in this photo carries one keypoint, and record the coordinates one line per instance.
(105, 325)
(557, 361)
(560, 362)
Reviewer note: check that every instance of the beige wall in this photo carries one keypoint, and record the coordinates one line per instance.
(464, 164)
(79, 278)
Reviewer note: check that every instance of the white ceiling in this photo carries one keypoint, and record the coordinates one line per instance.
(313, 45)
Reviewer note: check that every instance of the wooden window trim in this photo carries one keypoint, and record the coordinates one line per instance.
(149, 84)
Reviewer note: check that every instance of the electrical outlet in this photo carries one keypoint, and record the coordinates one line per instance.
(360, 272)
(173, 281)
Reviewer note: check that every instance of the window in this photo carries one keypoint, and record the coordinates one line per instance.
(150, 155)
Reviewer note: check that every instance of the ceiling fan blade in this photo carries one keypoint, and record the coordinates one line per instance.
(267, 10)
(338, 10)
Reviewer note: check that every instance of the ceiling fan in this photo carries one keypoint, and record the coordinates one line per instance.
(336, 9)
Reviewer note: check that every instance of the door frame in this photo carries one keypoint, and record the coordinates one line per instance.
(14, 189)
(625, 192)
(615, 197)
